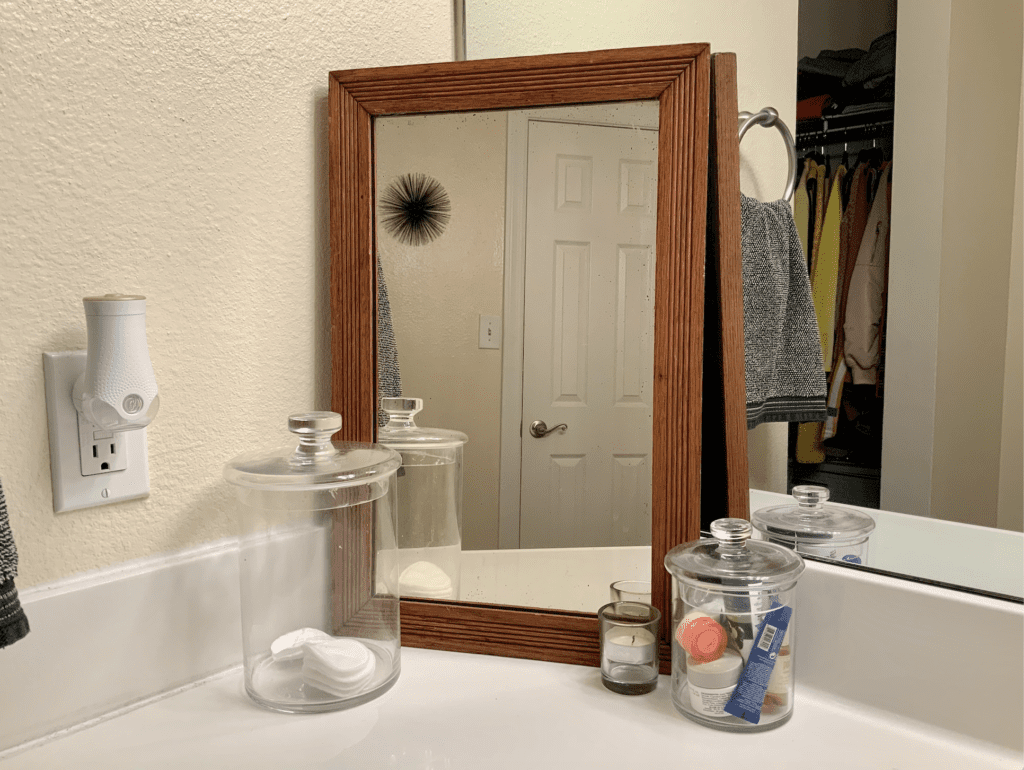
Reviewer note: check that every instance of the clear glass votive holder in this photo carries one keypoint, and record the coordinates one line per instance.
(631, 591)
(629, 647)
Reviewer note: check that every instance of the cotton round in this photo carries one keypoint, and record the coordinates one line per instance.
(291, 646)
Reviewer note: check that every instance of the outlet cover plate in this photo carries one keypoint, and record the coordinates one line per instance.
(72, 490)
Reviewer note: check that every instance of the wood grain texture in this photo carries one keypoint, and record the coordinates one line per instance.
(679, 77)
(725, 485)
(678, 321)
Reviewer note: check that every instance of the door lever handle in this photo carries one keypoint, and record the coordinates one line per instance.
(539, 429)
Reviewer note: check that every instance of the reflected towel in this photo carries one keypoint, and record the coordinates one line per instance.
(785, 375)
(389, 378)
(13, 623)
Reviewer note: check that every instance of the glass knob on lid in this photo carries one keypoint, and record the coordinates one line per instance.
(314, 430)
(731, 530)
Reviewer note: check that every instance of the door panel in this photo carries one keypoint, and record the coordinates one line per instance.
(588, 335)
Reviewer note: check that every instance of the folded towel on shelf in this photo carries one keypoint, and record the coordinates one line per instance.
(13, 623)
(785, 375)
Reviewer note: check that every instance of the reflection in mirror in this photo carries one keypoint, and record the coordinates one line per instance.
(941, 473)
(517, 249)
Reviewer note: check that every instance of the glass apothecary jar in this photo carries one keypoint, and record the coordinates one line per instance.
(318, 569)
(733, 629)
(429, 501)
(813, 528)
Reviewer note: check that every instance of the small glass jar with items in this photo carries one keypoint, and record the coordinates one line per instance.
(733, 629)
(815, 529)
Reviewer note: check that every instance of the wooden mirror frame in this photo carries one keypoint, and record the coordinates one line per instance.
(679, 77)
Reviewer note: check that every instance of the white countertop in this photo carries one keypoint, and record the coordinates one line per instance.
(451, 710)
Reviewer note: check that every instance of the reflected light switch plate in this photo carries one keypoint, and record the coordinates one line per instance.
(490, 332)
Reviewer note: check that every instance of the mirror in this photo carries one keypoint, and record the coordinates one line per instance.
(526, 294)
(676, 78)
(951, 432)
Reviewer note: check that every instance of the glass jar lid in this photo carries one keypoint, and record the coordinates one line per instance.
(811, 519)
(316, 463)
(731, 562)
(402, 433)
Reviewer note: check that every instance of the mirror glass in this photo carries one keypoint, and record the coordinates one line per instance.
(947, 479)
(517, 250)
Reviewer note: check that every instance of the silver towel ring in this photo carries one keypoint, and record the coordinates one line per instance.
(769, 117)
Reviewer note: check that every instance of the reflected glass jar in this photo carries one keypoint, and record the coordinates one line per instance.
(733, 629)
(429, 501)
(318, 569)
(813, 528)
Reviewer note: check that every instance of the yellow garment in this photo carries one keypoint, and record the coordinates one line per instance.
(825, 270)
(801, 208)
(819, 210)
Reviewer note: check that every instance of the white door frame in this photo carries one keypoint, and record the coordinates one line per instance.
(643, 115)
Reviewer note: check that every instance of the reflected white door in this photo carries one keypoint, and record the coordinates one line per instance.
(588, 336)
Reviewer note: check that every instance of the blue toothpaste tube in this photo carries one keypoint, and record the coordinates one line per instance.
(748, 697)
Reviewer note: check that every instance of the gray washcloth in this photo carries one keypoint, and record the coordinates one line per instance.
(13, 623)
(785, 375)
(389, 378)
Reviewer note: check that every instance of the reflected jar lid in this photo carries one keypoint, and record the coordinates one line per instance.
(812, 520)
(730, 562)
(419, 446)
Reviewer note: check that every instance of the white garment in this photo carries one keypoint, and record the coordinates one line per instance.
(861, 326)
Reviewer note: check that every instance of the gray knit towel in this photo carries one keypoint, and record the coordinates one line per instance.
(389, 378)
(13, 623)
(785, 376)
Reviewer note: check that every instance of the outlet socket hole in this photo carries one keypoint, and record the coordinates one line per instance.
(105, 467)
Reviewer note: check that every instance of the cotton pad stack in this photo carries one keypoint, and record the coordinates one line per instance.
(426, 580)
(339, 667)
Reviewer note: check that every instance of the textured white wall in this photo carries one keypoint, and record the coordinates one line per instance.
(439, 290)
(950, 265)
(177, 150)
(1011, 458)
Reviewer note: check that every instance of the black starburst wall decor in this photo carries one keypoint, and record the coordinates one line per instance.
(415, 209)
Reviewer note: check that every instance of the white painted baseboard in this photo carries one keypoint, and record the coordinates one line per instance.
(105, 639)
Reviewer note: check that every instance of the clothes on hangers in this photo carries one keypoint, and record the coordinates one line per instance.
(847, 237)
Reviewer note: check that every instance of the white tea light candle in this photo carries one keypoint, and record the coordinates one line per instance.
(630, 645)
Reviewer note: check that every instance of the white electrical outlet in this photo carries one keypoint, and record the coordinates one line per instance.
(78, 451)
(102, 451)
